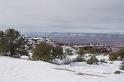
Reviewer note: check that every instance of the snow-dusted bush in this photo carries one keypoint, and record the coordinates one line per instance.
(119, 55)
(42, 52)
(80, 59)
(103, 61)
(93, 60)
(67, 62)
(113, 56)
(122, 66)
(46, 52)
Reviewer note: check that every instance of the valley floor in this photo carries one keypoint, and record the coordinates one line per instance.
(20, 70)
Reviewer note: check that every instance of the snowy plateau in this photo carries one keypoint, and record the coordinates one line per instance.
(23, 70)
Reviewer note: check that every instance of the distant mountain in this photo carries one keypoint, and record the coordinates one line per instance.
(114, 40)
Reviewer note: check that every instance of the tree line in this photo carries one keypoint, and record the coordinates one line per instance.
(13, 44)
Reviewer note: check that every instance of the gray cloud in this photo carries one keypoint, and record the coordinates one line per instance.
(63, 15)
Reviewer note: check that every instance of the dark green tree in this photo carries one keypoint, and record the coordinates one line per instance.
(47, 52)
(57, 52)
(118, 55)
(82, 52)
(15, 43)
(3, 45)
(94, 50)
(43, 52)
(121, 54)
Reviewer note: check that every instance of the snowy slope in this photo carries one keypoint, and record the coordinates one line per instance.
(19, 70)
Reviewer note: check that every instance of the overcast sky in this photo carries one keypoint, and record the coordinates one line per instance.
(63, 15)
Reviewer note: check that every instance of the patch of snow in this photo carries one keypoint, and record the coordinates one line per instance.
(17, 70)
(102, 56)
(24, 57)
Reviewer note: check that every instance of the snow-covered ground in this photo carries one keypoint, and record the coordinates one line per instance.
(20, 70)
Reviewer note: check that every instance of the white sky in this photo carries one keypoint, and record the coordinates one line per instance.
(63, 15)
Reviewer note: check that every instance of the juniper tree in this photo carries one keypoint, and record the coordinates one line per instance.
(43, 52)
(15, 43)
(2, 43)
(47, 52)
(57, 52)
